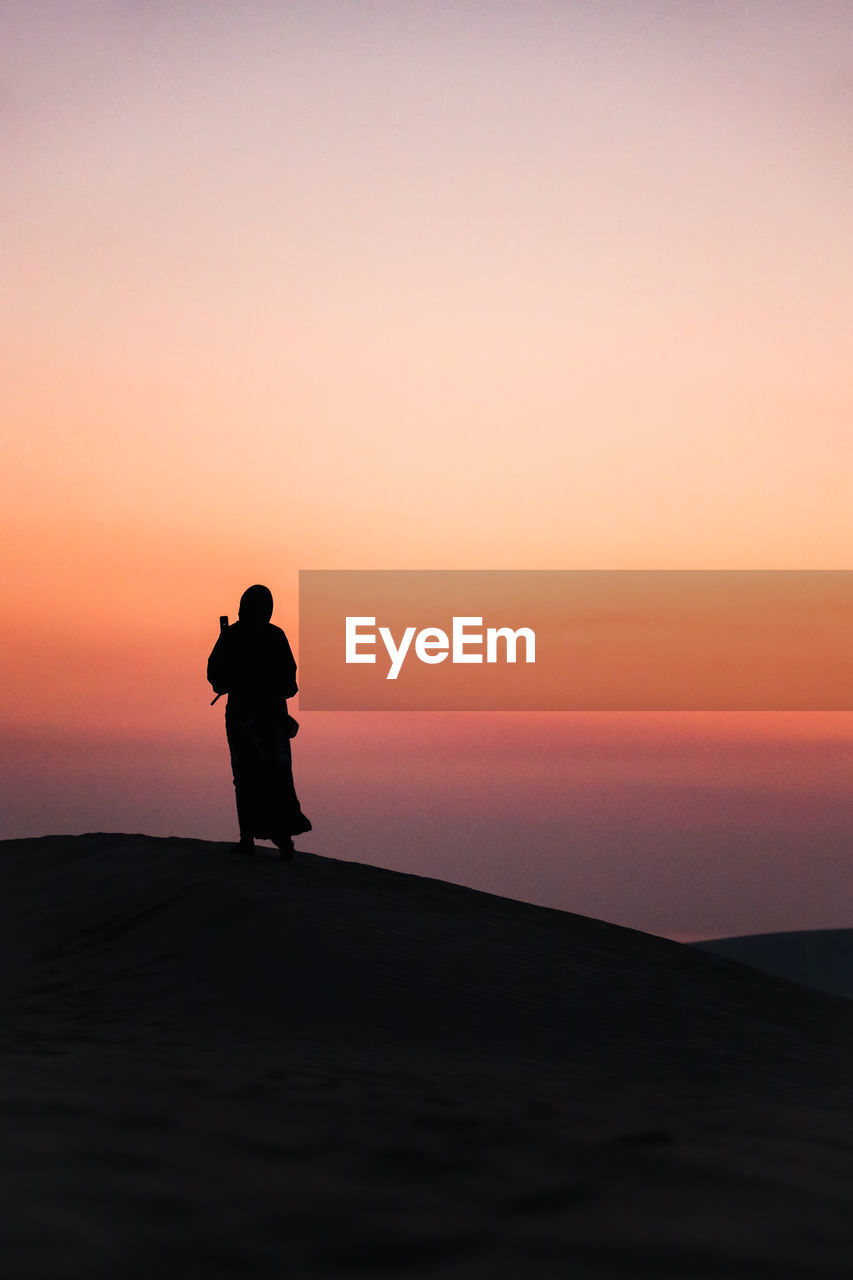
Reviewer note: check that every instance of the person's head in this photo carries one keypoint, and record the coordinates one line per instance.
(255, 604)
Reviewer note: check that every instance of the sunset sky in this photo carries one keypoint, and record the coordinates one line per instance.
(355, 285)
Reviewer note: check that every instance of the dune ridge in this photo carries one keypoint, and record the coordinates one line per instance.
(818, 958)
(213, 1065)
(135, 934)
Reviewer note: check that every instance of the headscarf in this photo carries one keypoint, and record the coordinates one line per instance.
(255, 605)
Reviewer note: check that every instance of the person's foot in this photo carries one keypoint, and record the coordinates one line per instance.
(245, 845)
(284, 844)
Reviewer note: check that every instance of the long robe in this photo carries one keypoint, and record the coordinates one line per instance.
(253, 664)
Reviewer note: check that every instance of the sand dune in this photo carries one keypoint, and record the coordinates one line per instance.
(217, 1066)
(819, 958)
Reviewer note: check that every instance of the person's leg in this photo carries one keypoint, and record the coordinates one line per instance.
(284, 844)
(238, 746)
(244, 818)
(289, 818)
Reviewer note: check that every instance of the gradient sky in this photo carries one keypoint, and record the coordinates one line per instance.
(425, 285)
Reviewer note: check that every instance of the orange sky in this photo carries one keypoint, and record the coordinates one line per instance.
(425, 286)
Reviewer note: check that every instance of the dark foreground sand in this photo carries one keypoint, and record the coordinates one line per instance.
(215, 1066)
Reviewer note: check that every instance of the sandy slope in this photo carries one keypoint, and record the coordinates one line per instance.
(217, 1066)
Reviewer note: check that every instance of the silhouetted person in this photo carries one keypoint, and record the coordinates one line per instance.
(252, 662)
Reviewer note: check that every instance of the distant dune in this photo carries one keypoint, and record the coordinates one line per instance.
(819, 958)
(223, 1066)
